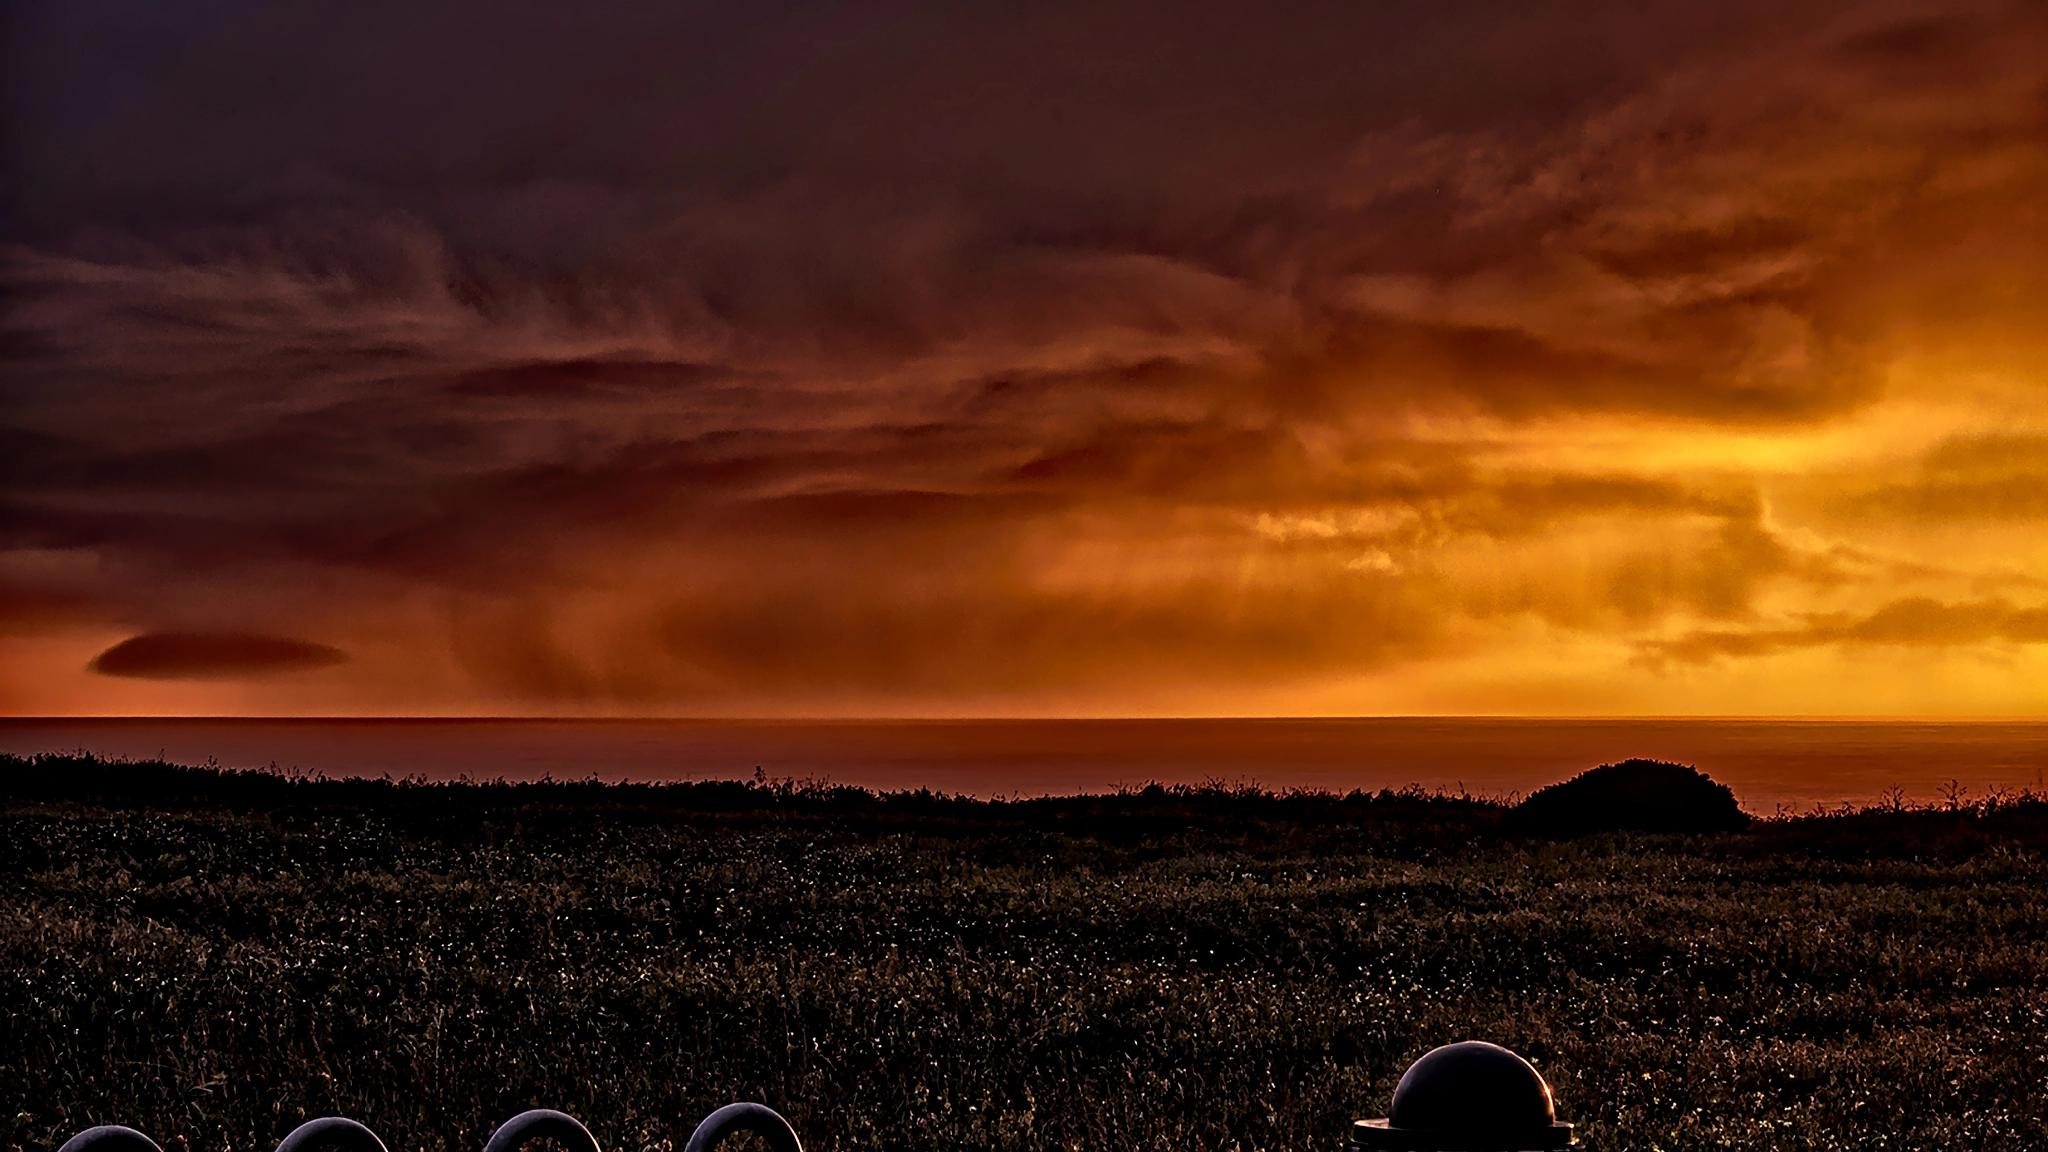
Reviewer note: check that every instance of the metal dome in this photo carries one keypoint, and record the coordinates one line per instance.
(1469, 1097)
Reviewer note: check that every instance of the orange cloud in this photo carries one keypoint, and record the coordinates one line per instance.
(1915, 621)
(1034, 360)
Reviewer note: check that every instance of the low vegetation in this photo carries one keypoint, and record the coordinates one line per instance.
(213, 958)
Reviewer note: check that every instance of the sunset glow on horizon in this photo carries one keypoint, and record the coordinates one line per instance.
(1091, 360)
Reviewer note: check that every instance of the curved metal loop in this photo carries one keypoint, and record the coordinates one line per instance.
(540, 1124)
(110, 1138)
(759, 1119)
(337, 1132)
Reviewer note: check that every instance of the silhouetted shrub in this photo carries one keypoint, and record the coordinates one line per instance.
(1634, 795)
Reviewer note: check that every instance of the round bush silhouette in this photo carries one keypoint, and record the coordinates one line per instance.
(1634, 795)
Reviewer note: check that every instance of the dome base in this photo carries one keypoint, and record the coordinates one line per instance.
(1378, 1136)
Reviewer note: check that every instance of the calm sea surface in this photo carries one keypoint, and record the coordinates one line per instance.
(1769, 763)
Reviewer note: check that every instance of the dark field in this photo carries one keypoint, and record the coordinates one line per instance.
(214, 959)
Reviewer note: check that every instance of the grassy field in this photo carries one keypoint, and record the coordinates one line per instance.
(213, 959)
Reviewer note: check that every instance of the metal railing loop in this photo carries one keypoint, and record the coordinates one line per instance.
(336, 1132)
(542, 1124)
(110, 1138)
(341, 1134)
(759, 1119)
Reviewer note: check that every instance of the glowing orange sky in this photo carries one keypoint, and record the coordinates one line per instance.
(881, 360)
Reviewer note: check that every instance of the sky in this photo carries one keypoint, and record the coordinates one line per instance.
(1117, 357)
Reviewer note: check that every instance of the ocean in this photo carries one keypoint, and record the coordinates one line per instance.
(1772, 765)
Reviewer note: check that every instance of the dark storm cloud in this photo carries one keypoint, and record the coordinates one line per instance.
(677, 349)
(201, 656)
(125, 102)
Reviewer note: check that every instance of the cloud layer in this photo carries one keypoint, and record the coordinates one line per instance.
(203, 655)
(892, 358)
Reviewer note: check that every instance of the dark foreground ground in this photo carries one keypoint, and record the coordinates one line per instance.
(214, 959)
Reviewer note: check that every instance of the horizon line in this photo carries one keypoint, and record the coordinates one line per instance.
(571, 718)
